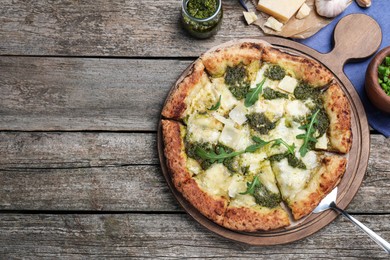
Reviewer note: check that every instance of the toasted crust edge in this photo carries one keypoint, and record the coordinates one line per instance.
(175, 153)
(213, 207)
(339, 113)
(325, 179)
(175, 105)
(251, 220)
(305, 69)
(218, 60)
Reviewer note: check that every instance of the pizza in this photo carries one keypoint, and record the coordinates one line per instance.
(252, 133)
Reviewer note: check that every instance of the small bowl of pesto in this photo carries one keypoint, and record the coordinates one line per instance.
(202, 18)
(378, 80)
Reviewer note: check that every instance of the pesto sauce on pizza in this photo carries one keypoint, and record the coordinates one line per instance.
(269, 93)
(236, 79)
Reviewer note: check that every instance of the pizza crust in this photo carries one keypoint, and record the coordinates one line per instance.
(175, 105)
(322, 182)
(213, 207)
(252, 219)
(339, 114)
(217, 61)
(304, 69)
(175, 152)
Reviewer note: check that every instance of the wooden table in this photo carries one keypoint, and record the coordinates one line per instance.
(81, 87)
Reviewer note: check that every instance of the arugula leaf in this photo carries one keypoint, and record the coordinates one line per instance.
(213, 156)
(259, 144)
(290, 148)
(217, 105)
(220, 155)
(253, 95)
(251, 186)
(308, 137)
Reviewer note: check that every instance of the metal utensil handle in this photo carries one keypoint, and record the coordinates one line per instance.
(380, 241)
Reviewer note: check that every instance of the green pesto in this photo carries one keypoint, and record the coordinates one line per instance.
(304, 91)
(293, 161)
(275, 72)
(269, 93)
(191, 152)
(262, 195)
(229, 163)
(202, 9)
(265, 198)
(237, 80)
(202, 28)
(322, 122)
(260, 122)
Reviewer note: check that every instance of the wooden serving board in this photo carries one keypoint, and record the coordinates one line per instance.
(356, 37)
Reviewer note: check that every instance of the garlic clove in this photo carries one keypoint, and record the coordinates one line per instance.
(331, 8)
(364, 3)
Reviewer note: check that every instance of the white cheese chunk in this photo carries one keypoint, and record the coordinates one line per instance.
(303, 12)
(267, 177)
(273, 24)
(237, 139)
(201, 98)
(253, 161)
(222, 119)
(296, 108)
(322, 142)
(250, 17)
(193, 166)
(237, 185)
(215, 180)
(292, 180)
(288, 84)
(280, 9)
(238, 114)
(243, 201)
(310, 159)
(228, 101)
(273, 109)
(202, 128)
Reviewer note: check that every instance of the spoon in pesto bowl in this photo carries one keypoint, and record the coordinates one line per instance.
(329, 202)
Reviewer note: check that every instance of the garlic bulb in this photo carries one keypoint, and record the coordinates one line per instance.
(331, 8)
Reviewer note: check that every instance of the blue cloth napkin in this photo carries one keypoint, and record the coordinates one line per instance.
(322, 42)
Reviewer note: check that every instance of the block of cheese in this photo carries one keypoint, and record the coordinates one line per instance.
(303, 12)
(282, 10)
(273, 24)
(250, 17)
(288, 84)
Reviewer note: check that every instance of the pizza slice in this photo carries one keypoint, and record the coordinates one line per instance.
(210, 185)
(255, 199)
(203, 189)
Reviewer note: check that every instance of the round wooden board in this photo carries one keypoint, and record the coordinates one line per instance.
(357, 157)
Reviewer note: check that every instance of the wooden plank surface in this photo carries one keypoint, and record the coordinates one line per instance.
(79, 236)
(119, 172)
(108, 28)
(84, 94)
